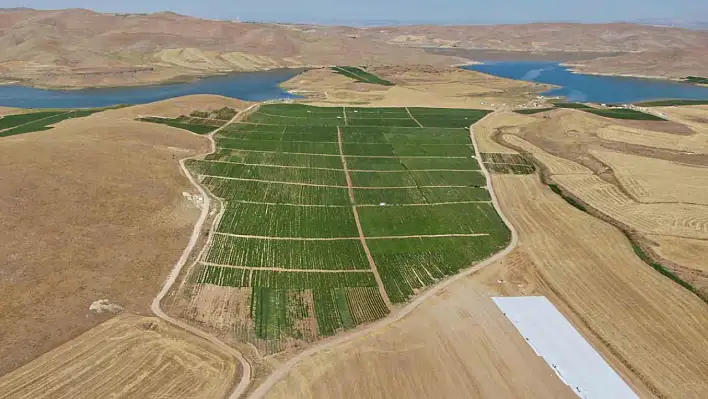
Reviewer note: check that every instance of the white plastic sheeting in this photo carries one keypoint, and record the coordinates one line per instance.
(563, 348)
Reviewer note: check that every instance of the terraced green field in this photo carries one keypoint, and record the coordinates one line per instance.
(308, 191)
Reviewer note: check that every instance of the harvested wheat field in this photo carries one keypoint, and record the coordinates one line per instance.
(179, 106)
(92, 210)
(652, 331)
(651, 180)
(455, 344)
(128, 356)
(487, 128)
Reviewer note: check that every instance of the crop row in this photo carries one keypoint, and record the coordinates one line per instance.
(412, 163)
(10, 121)
(42, 124)
(278, 146)
(469, 218)
(418, 178)
(280, 159)
(179, 124)
(270, 173)
(507, 169)
(287, 254)
(407, 265)
(276, 192)
(287, 221)
(427, 195)
(282, 300)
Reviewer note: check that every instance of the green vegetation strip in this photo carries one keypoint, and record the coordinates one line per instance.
(361, 75)
(637, 248)
(37, 124)
(624, 113)
(192, 127)
(532, 111)
(672, 103)
(696, 79)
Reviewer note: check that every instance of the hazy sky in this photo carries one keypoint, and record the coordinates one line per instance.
(434, 11)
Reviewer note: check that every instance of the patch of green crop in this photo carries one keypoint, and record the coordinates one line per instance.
(571, 105)
(243, 190)
(406, 265)
(696, 79)
(10, 121)
(361, 75)
(671, 103)
(623, 113)
(287, 221)
(287, 254)
(440, 219)
(270, 173)
(45, 123)
(330, 161)
(198, 129)
(532, 111)
(279, 146)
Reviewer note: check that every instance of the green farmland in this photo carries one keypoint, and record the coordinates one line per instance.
(333, 215)
(361, 75)
(199, 122)
(11, 125)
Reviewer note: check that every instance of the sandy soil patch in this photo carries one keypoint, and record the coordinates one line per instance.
(10, 110)
(687, 252)
(114, 358)
(92, 209)
(651, 180)
(456, 344)
(648, 325)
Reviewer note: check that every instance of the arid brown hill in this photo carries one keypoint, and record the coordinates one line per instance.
(78, 48)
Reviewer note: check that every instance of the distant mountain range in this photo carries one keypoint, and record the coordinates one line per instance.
(78, 48)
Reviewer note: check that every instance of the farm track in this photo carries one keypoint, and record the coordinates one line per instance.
(413, 117)
(155, 307)
(280, 372)
(369, 257)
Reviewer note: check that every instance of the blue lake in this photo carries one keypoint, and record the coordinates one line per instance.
(252, 86)
(592, 88)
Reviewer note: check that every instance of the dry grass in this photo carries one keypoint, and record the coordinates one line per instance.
(555, 165)
(91, 210)
(682, 220)
(654, 180)
(179, 106)
(128, 356)
(645, 322)
(456, 344)
(686, 252)
(696, 143)
(487, 127)
(695, 116)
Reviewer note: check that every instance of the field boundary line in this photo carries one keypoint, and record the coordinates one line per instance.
(275, 166)
(172, 277)
(334, 142)
(344, 112)
(349, 156)
(413, 117)
(280, 269)
(355, 74)
(376, 126)
(358, 205)
(369, 257)
(281, 371)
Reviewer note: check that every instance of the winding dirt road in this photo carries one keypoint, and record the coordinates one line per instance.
(177, 268)
(286, 367)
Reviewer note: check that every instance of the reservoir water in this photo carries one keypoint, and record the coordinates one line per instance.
(592, 88)
(252, 86)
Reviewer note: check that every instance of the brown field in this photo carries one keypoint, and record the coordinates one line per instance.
(645, 178)
(650, 329)
(179, 106)
(455, 344)
(487, 127)
(92, 209)
(128, 356)
(554, 165)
